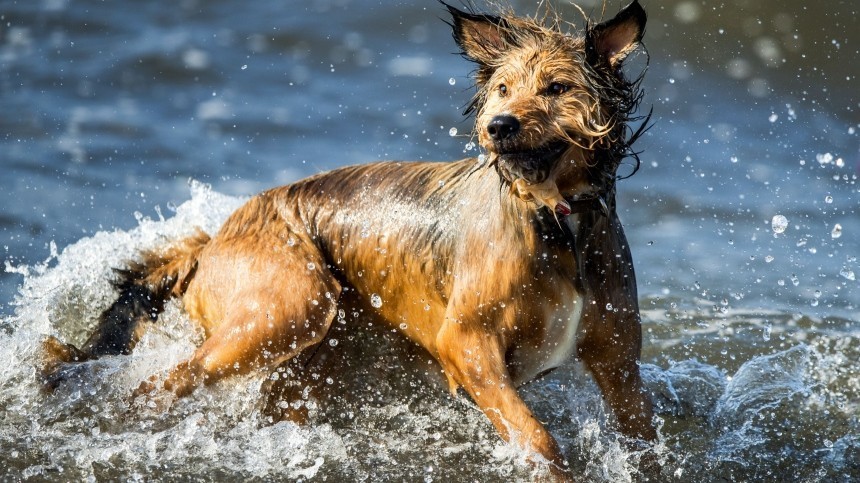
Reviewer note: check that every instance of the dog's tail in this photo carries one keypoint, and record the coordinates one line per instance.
(144, 287)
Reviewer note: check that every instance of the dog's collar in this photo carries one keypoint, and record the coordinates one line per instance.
(599, 202)
(584, 205)
(596, 202)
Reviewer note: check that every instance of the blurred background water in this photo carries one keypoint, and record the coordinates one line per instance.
(743, 223)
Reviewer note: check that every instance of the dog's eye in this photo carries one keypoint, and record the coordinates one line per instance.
(503, 89)
(557, 88)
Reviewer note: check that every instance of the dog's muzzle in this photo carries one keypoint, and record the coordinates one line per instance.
(514, 160)
(533, 165)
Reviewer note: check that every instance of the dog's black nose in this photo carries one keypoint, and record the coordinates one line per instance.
(503, 127)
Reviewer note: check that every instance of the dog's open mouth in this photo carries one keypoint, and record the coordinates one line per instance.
(533, 165)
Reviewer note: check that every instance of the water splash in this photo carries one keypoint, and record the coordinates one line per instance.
(836, 232)
(779, 223)
(687, 388)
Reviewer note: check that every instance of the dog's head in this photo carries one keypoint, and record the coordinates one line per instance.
(552, 108)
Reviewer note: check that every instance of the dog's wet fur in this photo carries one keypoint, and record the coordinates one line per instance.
(501, 268)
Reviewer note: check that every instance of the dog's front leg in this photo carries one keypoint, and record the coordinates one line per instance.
(612, 342)
(473, 358)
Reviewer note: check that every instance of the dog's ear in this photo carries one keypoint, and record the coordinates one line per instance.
(482, 38)
(610, 42)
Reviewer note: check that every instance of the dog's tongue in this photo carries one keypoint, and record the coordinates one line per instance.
(545, 193)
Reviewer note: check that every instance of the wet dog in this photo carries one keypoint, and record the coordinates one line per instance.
(500, 267)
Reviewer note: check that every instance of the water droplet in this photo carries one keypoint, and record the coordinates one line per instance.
(329, 380)
(768, 258)
(403, 326)
(780, 282)
(794, 280)
(734, 159)
(817, 294)
(311, 266)
(376, 301)
(766, 332)
(452, 81)
(828, 199)
(333, 342)
(779, 223)
(773, 118)
(427, 307)
(469, 146)
(609, 307)
(452, 131)
(244, 66)
(847, 273)
(836, 232)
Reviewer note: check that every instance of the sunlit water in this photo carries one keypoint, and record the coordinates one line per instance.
(743, 222)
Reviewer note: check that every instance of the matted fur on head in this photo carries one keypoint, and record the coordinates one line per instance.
(565, 87)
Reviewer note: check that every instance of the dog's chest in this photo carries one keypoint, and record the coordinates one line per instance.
(556, 345)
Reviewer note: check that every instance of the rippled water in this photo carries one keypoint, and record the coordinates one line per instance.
(751, 337)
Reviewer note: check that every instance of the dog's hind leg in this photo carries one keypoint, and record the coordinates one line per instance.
(283, 304)
(289, 390)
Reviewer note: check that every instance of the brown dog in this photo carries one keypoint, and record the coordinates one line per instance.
(500, 268)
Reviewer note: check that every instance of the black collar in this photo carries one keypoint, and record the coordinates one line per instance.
(584, 205)
(596, 202)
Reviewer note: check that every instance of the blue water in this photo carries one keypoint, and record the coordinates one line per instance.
(108, 109)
